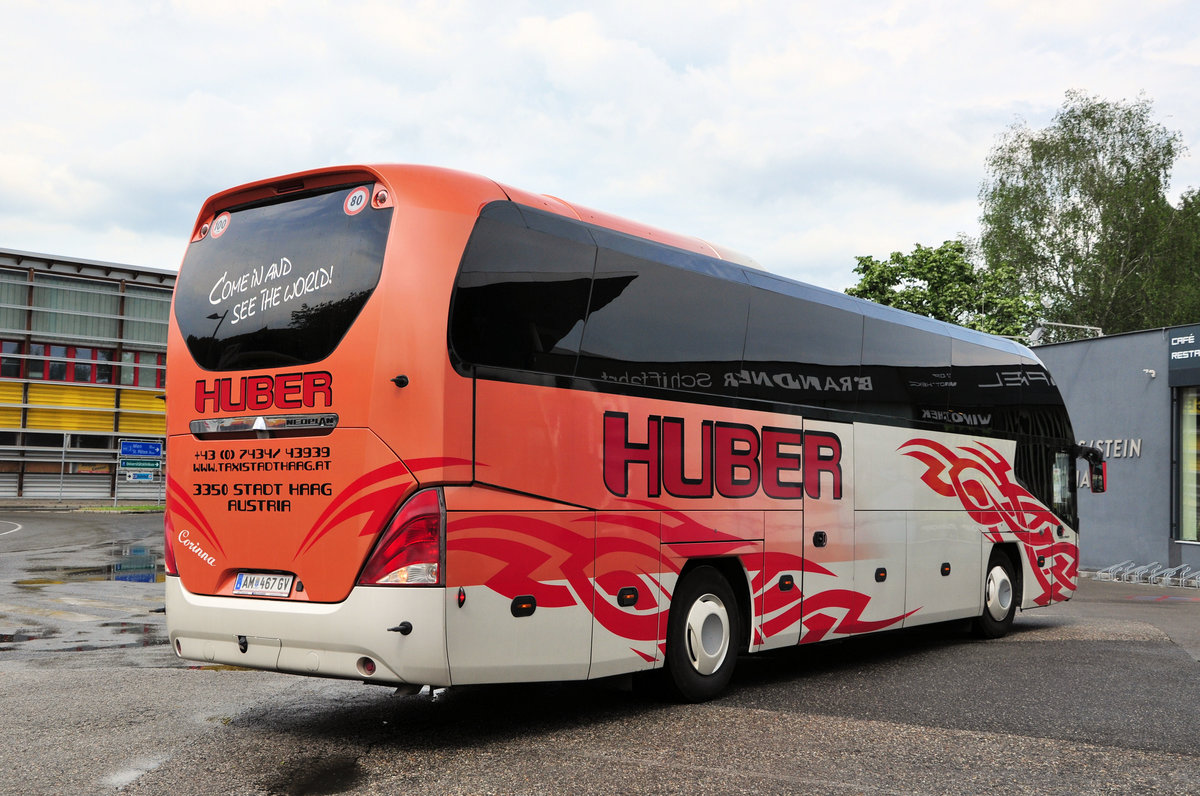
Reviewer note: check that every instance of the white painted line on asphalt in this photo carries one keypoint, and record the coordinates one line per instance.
(27, 611)
(126, 776)
(14, 530)
(84, 602)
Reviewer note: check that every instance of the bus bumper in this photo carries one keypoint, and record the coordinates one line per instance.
(355, 639)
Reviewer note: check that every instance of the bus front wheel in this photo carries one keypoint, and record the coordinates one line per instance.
(999, 598)
(702, 636)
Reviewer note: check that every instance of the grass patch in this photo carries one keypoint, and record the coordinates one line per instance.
(145, 507)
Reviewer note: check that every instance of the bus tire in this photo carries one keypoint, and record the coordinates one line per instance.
(999, 598)
(703, 633)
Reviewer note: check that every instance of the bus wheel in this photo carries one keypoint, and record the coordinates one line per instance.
(702, 636)
(999, 598)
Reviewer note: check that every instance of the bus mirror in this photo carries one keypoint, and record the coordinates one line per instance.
(1097, 467)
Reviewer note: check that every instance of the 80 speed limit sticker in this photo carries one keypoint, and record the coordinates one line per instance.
(356, 201)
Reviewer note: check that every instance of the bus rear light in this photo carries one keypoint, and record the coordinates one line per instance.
(168, 550)
(410, 551)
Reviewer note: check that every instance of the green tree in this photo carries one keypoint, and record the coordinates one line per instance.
(1078, 213)
(1175, 290)
(942, 283)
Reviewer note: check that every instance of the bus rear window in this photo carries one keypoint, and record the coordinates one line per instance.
(280, 284)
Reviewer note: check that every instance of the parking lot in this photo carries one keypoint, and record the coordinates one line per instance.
(1098, 695)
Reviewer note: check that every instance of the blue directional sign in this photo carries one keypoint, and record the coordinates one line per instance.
(140, 464)
(141, 448)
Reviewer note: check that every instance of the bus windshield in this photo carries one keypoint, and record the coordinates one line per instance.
(279, 284)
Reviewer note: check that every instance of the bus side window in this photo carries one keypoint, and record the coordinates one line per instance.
(663, 327)
(521, 294)
(802, 352)
(906, 365)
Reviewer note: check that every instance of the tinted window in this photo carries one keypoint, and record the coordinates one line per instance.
(1046, 468)
(987, 389)
(522, 293)
(279, 284)
(542, 293)
(909, 369)
(660, 326)
(799, 351)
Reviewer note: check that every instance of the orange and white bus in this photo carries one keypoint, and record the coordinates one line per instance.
(428, 429)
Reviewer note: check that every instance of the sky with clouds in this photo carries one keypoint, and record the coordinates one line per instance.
(799, 133)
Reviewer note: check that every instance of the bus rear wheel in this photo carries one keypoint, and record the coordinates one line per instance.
(999, 598)
(703, 634)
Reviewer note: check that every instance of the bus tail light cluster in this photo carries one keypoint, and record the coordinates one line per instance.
(168, 549)
(412, 548)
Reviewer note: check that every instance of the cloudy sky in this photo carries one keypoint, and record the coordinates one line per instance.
(799, 133)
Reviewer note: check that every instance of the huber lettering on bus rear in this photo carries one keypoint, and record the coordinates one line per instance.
(260, 393)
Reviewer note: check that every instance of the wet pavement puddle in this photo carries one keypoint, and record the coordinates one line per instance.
(106, 598)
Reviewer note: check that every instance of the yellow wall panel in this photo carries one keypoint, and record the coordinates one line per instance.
(11, 392)
(72, 395)
(69, 420)
(155, 425)
(143, 401)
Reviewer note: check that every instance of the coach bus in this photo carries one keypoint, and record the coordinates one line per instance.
(428, 429)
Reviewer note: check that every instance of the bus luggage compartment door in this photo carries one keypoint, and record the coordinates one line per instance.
(630, 608)
(519, 595)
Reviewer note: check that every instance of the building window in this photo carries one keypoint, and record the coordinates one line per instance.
(91, 441)
(77, 364)
(35, 366)
(42, 440)
(147, 311)
(104, 368)
(1189, 465)
(143, 369)
(75, 308)
(10, 361)
(56, 365)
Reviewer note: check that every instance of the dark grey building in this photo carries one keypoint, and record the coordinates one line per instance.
(1136, 396)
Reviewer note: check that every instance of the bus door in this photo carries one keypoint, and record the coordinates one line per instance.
(829, 577)
(883, 501)
(1064, 559)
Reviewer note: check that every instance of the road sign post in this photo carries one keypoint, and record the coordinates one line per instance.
(139, 459)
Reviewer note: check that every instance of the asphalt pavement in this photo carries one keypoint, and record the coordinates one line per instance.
(1097, 695)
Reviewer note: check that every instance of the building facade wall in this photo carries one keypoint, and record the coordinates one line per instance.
(82, 366)
(1119, 395)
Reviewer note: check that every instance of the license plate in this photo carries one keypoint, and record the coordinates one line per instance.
(263, 584)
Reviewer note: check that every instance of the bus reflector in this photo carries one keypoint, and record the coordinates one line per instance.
(168, 550)
(410, 550)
